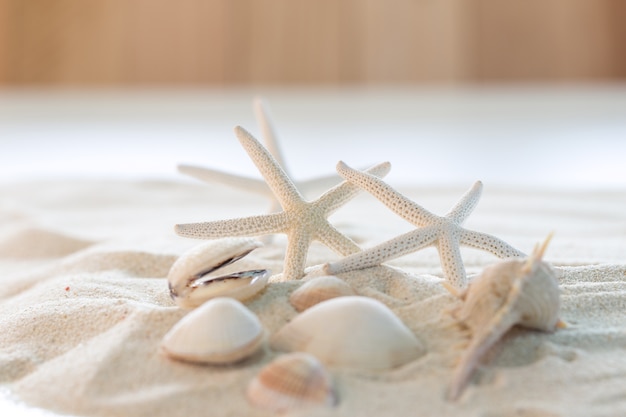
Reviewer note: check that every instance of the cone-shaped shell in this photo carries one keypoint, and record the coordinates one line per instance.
(532, 296)
(350, 332)
(290, 382)
(511, 292)
(319, 289)
(190, 280)
(220, 331)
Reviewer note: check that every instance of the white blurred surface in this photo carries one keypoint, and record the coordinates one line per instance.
(12, 407)
(546, 137)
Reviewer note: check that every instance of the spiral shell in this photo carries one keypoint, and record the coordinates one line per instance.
(350, 332)
(292, 381)
(220, 331)
(511, 292)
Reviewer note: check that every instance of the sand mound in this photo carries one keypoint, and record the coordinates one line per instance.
(33, 243)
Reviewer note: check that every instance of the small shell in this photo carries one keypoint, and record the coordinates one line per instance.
(220, 331)
(317, 290)
(292, 381)
(511, 292)
(190, 281)
(350, 332)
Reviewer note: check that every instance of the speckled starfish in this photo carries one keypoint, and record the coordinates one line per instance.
(254, 185)
(300, 220)
(445, 233)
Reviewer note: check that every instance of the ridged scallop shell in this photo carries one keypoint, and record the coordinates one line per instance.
(350, 332)
(292, 381)
(319, 289)
(511, 292)
(191, 281)
(220, 331)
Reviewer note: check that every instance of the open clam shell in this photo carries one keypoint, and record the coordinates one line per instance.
(193, 278)
(292, 381)
(221, 331)
(350, 332)
(319, 289)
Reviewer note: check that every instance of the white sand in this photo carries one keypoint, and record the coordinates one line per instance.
(84, 304)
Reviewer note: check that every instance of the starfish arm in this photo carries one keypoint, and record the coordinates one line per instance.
(210, 175)
(490, 244)
(245, 226)
(451, 261)
(461, 211)
(261, 112)
(344, 192)
(391, 249)
(280, 184)
(295, 257)
(398, 203)
(336, 240)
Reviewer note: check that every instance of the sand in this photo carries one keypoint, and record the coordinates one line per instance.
(84, 304)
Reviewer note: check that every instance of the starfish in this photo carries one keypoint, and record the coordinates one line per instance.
(300, 220)
(443, 232)
(252, 184)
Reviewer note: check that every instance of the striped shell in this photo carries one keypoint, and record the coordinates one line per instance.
(317, 290)
(192, 280)
(220, 331)
(290, 382)
(350, 332)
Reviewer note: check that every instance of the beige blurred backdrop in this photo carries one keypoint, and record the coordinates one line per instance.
(295, 42)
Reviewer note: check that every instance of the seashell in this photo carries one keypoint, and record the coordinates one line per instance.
(317, 290)
(292, 381)
(511, 292)
(350, 332)
(191, 280)
(220, 331)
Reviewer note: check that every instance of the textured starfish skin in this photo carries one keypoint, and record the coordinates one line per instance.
(254, 185)
(300, 220)
(444, 232)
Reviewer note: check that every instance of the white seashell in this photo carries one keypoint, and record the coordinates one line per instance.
(220, 331)
(317, 290)
(292, 381)
(350, 332)
(511, 292)
(190, 280)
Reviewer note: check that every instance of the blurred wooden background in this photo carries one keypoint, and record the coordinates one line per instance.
(252, 42)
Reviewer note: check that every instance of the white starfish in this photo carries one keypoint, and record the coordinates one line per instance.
(254, 185)
(301, 221)
(445, 233)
